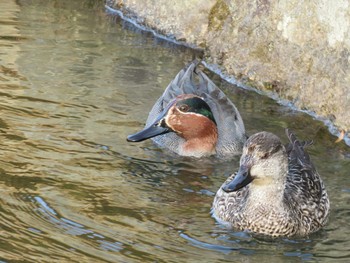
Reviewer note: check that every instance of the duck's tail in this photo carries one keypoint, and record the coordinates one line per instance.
(296, 151)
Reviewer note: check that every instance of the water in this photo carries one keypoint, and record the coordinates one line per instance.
(73, 84)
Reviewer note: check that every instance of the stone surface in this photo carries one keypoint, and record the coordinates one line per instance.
(299, 50)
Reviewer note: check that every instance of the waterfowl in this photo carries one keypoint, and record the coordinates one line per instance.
(276, 192)
(193, 117)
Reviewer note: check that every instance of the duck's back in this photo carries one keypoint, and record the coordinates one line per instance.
(305, 194)
(231, 132)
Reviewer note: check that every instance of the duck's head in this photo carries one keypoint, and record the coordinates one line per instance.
(263, 163)
(188, 115)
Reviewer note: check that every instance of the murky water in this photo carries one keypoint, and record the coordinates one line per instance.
(73, 83)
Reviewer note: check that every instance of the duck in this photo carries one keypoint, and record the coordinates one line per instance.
(276, 192)
(193, 117)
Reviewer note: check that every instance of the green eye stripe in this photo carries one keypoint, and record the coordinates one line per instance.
(199, 106)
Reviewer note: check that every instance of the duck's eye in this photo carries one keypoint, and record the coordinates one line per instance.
(251, 148)
(184, 108)
(265, 155)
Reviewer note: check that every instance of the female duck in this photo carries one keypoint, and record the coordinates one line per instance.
(194, 119)
(276, 192)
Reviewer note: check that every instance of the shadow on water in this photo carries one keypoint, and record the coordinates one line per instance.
(242, 244)
(74, 82)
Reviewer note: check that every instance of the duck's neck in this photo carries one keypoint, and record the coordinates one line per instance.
(269, 189)
(198, 147)
(267, 194)
(203, 144)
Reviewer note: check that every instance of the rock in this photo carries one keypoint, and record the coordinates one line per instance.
(298, 50)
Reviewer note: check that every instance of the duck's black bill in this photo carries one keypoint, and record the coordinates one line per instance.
(147, 133)
(158, 127)
(241, 179)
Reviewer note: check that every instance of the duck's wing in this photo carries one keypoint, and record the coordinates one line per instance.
(183, 83)
(305, 190)
(230, 125)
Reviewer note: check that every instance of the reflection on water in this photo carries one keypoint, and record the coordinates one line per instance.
(73, 83)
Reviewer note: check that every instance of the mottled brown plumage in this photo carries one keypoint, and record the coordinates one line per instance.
(277, 191)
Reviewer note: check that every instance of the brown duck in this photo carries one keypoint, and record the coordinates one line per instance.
(276, 192)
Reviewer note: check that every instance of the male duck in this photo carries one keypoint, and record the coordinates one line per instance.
(194, 118)
(277, 191)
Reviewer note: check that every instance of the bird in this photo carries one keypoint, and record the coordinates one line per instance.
(193, 117)
(277, 191)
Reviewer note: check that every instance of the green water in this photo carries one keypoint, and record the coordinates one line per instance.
(74, 82)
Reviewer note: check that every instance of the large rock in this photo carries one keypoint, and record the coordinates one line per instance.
(299, 50)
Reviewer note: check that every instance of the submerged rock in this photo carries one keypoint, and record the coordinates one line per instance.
(297, 50)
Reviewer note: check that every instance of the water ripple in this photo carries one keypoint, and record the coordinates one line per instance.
(74, 82)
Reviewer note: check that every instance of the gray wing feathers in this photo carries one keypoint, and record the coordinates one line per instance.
(297, 155)
(305, 190)
(181, 84)
(230, 125)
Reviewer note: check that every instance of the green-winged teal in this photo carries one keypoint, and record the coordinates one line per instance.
(194, 118)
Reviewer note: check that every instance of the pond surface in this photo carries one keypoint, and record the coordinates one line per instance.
(74, 83)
